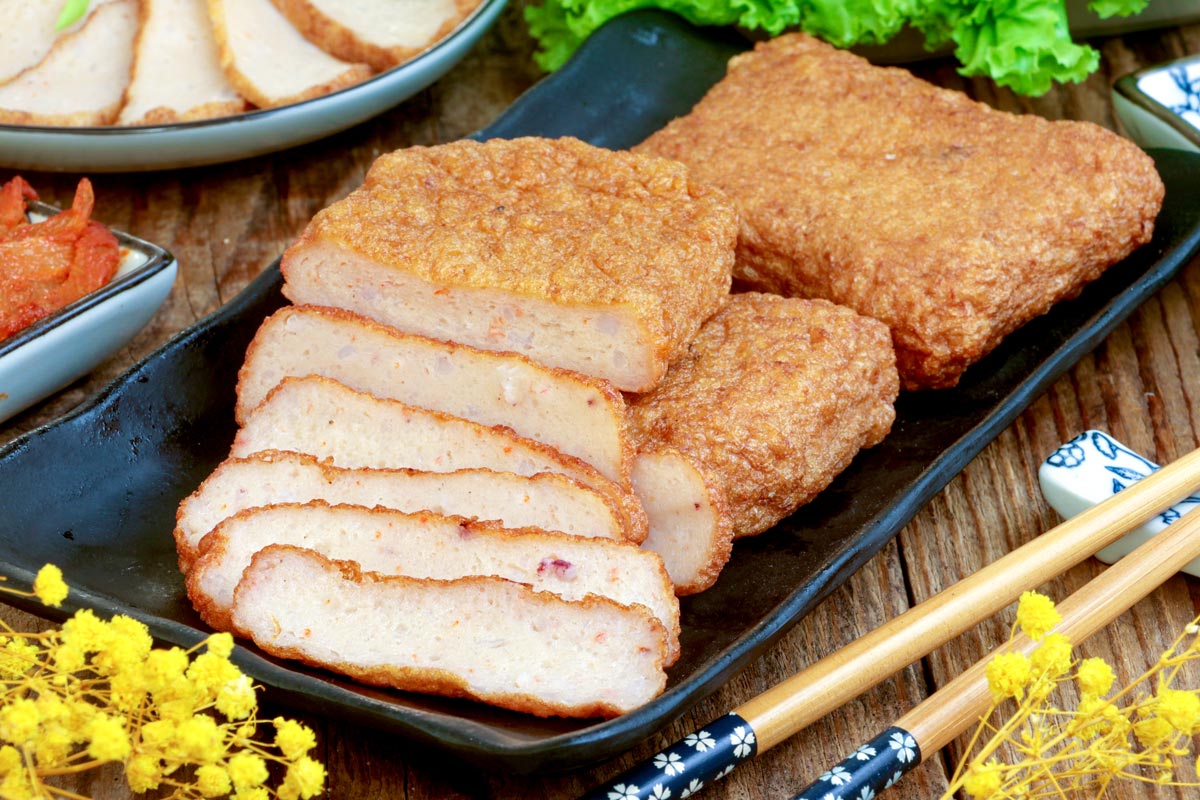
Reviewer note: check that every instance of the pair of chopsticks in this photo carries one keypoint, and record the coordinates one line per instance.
(711, 753)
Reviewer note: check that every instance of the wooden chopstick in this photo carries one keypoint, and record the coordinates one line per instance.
(958, 705)
(773, 716)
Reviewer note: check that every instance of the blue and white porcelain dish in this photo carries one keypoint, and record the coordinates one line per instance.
(1160, 105)
(68, 344)
(191, 144)
(1093, 467)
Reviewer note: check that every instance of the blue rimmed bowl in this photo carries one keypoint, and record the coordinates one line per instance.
(1160, 105)
(68, 344)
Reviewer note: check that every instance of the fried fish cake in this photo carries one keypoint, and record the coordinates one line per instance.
(600, 262)
(771, 400)
(950, 221)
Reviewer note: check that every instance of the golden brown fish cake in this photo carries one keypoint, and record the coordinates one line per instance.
(601, 262)
(772, 399)
(950, 221)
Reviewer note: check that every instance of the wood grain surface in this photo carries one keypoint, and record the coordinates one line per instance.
(1142, 384)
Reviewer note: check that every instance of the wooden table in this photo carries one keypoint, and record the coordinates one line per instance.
(225, 223)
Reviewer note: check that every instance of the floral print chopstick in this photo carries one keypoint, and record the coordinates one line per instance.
(768, 719)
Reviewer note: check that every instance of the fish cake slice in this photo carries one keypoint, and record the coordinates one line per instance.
(268, 61)
(547, 500)
(29, 33)
(177, 72)
(382, 33)
(581, 416)
(82, 80)
(482, 637)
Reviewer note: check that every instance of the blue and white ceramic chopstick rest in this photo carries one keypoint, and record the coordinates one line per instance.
(1093, 467)
(1160, 105)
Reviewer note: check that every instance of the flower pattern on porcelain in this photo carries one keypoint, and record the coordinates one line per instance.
(1122, 465)
(1187, 80)
(1175, 87)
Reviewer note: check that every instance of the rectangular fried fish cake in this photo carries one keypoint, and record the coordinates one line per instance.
(578, 257)
(950, 221)
(772, 399)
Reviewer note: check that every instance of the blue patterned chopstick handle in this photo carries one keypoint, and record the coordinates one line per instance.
(687, 766)
(870, 769)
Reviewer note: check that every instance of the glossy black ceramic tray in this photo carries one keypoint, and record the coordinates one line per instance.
(95, 492)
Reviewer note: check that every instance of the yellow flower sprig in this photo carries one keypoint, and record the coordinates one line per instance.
(1142, 733)
(94, 692)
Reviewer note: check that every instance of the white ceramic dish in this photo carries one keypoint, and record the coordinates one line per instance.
(1160, 105)
(1093, 467)
(190, 144)
(66, 345)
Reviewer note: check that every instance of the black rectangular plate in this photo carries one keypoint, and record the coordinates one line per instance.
(96, 491)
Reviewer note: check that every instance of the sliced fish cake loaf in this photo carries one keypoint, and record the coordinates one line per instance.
(596, 261)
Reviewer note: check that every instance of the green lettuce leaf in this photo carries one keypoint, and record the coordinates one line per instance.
(856, 21)
(72, 12)
(1117, 8)
(1022, 44)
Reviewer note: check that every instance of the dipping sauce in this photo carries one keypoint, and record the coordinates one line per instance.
(47, 265)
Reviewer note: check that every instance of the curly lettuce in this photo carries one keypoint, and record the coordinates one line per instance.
(1022, 44)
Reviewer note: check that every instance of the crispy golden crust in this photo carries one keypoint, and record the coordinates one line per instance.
(950, 221)
(442, 682)
(344, 43)
(162, 115)
(773, 399)
(99, 117)
(555, 220)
